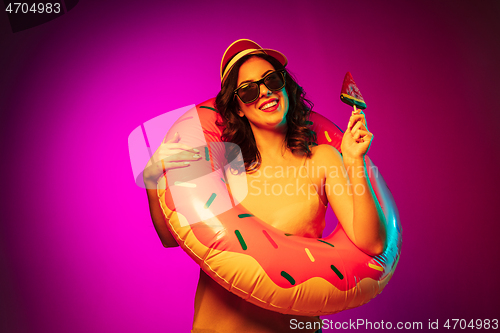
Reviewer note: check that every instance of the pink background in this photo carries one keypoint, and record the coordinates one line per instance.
(78, 249)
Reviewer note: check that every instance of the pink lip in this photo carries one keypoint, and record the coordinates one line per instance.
(268, 101)
(272, 108)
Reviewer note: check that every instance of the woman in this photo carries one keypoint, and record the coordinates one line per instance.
(264, 111)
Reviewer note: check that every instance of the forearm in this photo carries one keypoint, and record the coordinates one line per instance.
(368, 219)
(157, 216)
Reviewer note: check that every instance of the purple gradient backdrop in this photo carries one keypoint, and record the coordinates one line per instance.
(78, 249)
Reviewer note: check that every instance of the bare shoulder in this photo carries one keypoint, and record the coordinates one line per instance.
(326, 155)
(324, 159)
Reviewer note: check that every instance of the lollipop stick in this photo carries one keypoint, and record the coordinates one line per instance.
(353, 113)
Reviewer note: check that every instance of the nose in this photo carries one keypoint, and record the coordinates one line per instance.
(264, 91)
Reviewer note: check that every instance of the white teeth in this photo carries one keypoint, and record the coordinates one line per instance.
(268, 105)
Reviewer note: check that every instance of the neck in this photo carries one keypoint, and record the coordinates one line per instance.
(271, 143)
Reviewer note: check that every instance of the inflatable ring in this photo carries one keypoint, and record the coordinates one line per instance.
(276, 271)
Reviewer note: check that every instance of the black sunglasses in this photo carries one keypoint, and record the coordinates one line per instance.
(249, 92)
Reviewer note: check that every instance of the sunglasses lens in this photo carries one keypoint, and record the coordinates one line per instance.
(274, 81)
(249, 92)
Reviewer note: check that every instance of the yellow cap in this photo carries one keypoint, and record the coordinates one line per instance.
(241, 48)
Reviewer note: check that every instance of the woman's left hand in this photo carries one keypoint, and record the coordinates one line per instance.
(357, 139)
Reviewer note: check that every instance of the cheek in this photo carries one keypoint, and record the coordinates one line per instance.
(286, 102)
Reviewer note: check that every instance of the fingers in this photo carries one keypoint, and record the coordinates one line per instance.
(179, 146)
(153, 171)
(358, 126)
(180, 160)
(174, 165)
(362, 136)
(170, 156)
(162, 166)
(173, 154)
(357, 117)
(174, 144)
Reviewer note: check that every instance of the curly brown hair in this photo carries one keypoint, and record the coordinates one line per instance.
(236, 129)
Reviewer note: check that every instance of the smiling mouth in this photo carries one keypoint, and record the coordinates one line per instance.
(269, 105)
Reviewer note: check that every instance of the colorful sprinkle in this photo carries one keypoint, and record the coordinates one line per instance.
(378, 268)
(184, 184)
(288, 277)
(207, 154)
(273, 243)
(309, 254)
(242, 216)
(308, 122)
(223, 180)
(207, 107)
(210, 200)
(322, 241)
(288, 234)
(337, 272)
(240, 239)
(328, 137)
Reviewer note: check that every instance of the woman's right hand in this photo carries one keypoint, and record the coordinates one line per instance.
(170, 155)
